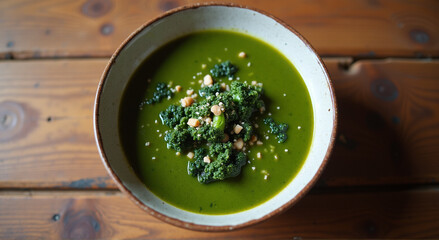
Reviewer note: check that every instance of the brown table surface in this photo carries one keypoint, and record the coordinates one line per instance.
(381, 181)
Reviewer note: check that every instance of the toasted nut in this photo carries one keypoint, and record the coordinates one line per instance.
(242, 55)
(253, 139)
(223, 86)
(190, 92)
(206, 159)
(178, 88)
(215, 109)
(239, 144)
(208, 81)
(187, 101)
(226, 138)
(190, 155)
(193, 122)
(237, 129)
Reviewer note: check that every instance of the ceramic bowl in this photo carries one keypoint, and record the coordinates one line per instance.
(177, 23)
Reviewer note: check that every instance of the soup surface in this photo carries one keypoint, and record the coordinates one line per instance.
(271, 166)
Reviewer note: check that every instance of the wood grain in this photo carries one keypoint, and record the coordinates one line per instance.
(388, 124)
(46, 137)
(105, 215)
(63, 28)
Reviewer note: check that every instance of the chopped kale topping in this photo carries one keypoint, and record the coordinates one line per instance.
(210, 90)
(217, 126)
(280, 130)
(224, 69)
(228, 163)
(161, 91)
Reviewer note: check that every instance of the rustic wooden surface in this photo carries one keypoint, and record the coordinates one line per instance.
(104, 215)
(374, 28)
(381, 181)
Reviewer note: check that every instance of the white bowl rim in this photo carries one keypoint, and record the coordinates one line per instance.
(178, 222)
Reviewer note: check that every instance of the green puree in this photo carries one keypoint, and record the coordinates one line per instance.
(180, 62)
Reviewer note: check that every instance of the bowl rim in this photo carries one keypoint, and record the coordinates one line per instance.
(178, 222)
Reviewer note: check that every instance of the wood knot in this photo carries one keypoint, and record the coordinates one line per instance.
(384, 89)
(80, 224)
(419, 36)
(107, 29)
(167, 5)
(11, 120)
(96, 8)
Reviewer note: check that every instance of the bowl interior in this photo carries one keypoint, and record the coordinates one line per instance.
(176, 24)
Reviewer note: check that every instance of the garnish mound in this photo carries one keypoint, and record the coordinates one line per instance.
(216, 129)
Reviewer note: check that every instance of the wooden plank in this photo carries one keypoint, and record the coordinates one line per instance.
(47, 132)
(62, 28)
(388, 124)
(90, 215)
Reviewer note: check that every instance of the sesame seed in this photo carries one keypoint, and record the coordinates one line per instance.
(160, 135)
(147, 144)
(299, 127)
(286, 150)
(156, 121)
(278, 107)
(253, 168)
(285, 94)
(177, 153)
(153, 158)
(249, 64)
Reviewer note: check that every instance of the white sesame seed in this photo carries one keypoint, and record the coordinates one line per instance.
(259, 155)
(253, 168)
(203, 66)
(278, 107)
(259, 143)
(286, 150)
(249, 64)
(299, 127)
(177, 153)
(285, 94)
(153, 158)
(147, 144)
(276, 157)
(160, 135)
(156, 149)
(265, 177)
(156, 121)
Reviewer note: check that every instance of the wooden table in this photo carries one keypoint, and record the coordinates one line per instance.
(381, 181)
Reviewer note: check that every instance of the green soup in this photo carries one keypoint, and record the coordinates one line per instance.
(271, 166)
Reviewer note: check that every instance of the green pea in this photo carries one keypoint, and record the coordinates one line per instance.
(219, 122)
